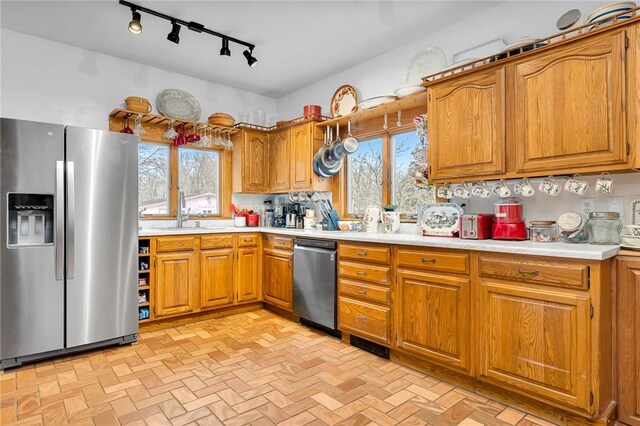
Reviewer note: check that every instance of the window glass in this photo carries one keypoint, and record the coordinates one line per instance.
(408, 157)
(153, 178)
(199, 178)
(364, 177)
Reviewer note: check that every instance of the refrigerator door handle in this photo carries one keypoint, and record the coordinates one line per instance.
(71, 219)
(59, 213)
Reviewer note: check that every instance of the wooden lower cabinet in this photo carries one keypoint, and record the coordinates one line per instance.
(373, 322)
(536, 341)
(176, 283)
(248, 275)
(216, 278)
(433, 313)
(628, 326)
(278, 278)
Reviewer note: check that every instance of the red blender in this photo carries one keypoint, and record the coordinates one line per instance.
(508, 222)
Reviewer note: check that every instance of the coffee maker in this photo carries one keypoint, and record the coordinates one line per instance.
(269, 215)
(291, 215)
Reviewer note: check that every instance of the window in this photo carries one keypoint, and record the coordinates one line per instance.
(199, 178)
(383, 171)
(364, 177)
(153, 178)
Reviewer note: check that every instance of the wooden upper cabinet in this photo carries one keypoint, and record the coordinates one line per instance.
(250, 162)
(569, 106)
(536, 342)
(176, 283)
(278, 278)
(280, 149)
(248, 274)
(433, 314)
(628, 326)
(301, 139)
(216, 278)
(467, 126)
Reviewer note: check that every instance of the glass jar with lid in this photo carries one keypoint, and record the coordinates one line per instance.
(604, 228)
(543, 231)
(572, 228)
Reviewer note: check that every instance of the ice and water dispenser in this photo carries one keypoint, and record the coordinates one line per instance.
(30, 218)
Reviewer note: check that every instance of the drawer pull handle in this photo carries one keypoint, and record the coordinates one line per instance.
(248, 240)
(363, 292)
(361, 317)
(362, 273)
(532, 273)
(428, 260)
(362, 252)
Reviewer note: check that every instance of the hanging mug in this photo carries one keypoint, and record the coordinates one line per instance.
(445, 191)
(501, 189)
(576, 184)
(524, 188)
(481, 190)
(462, 190)
(604, 184)
(550, 186)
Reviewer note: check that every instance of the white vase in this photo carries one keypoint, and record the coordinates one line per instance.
(371, 218)
(390, 222)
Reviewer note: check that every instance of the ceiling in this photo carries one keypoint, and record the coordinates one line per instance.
(297, 43)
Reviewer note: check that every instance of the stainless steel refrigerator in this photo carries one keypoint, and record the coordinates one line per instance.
(69, 200)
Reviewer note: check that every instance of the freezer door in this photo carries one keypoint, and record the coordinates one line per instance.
(102, 235)
(31, 298)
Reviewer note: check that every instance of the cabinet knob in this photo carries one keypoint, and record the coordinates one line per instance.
(364, 292)
(428, 260)
(361, 273)
(362, 253)
(532, 273)
(361, 317)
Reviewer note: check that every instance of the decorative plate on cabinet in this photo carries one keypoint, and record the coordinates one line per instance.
(344, 101)
(377, 101)
(178, 104)
(429, 60)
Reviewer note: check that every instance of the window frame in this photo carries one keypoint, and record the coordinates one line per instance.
(387, 164)
(224, 183)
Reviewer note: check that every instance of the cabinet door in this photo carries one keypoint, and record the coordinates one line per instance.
(176, 283)
(279, 147)
(278, 278)
(255, 176)
(433, 317)
(628, 325)
(216, 278)
(536, 342)
(466, 126)
(248, 275)
(569, 107)
(301, 156)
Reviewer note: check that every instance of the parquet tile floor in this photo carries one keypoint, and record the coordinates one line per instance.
(252, 368)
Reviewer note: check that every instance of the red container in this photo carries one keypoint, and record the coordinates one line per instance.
(508, 210)
(310, 110)
(253, 219)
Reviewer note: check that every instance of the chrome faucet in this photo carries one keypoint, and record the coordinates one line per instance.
(141, 213)
(180, 219)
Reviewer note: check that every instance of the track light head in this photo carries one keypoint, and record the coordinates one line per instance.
(224, 51)
(134, 25)
(250, 59)
(174, 35)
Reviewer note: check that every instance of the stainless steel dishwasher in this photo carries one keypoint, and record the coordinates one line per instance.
(314, 281)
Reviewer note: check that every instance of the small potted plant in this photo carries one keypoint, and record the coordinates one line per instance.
(390, 218)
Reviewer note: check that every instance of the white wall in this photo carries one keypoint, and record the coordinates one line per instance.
(43, 80)
(381, 75)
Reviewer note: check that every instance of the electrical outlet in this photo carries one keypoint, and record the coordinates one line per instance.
(587, 205)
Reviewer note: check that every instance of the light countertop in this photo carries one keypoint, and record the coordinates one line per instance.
(556, 249)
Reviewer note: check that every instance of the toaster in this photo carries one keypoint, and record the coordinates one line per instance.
(476, 226)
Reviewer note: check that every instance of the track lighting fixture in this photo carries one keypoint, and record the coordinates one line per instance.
(134, 25)
(250, 59)
(174, 35)
(224, 51)
(176, 24)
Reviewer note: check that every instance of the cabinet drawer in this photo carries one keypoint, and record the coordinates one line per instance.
(216, 241)
(433, 261)
(247, 240)
(363, 319)
(279, 242)
(375, 254)
(165, 244)
(363, 291)
(559, 274)
(364, 272)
